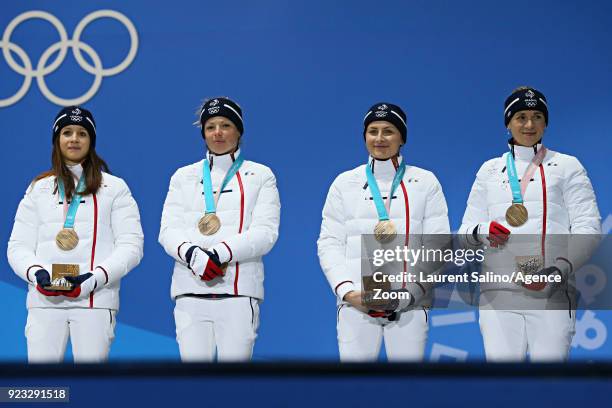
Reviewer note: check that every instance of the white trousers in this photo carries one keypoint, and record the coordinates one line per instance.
(509, 335)
(91, 333)
(227, 327)
(360, 336)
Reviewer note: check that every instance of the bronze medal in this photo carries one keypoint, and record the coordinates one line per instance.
(516, 215)
(385, 231)
(209, 224)
(67, 239)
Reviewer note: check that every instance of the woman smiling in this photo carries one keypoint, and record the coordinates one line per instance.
(76, 234)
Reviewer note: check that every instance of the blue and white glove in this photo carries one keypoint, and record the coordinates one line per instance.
(204, 264)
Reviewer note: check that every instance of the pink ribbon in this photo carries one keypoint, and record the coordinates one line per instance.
(535, 163)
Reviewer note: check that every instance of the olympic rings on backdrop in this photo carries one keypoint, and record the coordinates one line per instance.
(77, 46)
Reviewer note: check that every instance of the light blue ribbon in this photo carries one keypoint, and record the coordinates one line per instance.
(378, 201)
(517, 197)
(209, 200)
(76, 200)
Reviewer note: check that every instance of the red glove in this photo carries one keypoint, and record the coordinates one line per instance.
(498, 234)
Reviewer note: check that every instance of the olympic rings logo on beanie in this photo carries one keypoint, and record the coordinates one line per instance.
(525, 98)
(389, 113)
(74, 115)
(225, 107)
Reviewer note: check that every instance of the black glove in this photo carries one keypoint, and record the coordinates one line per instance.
(82, 285)
(551, 270)
(43, 278)
(78, 280)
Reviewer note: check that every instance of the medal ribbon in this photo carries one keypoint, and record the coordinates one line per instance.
(519, 190)
(70, 212)
(209, 199)
(535, 163)
(383, 214)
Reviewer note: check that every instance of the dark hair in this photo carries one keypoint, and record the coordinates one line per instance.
(93, 165)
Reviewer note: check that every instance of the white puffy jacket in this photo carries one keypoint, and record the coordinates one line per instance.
(559, 199)
(249, 210)
(110, 240)
(417, 207)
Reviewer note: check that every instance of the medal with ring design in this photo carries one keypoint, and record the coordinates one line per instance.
(517, 215)
(67, 239)
(209, 224)
(385, 231)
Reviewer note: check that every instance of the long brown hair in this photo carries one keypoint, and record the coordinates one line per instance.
(93, 165)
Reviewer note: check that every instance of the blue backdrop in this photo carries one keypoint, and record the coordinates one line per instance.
(304, 73)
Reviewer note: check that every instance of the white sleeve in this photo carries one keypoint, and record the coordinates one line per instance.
(172, 230)
(580, 201)
(262, 233)
(435, 220)
(584, 218)
(21, 251)
(128, 237)
(476, 212)
(331, 244)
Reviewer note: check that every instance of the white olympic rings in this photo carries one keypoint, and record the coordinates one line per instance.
(62, 45)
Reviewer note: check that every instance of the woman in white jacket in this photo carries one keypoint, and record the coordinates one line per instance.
(523, 207)
(354, 208)
(75, 214)
(221, 216)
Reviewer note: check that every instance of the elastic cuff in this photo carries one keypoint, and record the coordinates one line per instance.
(343, 288)
(571, 267)
(29, 269)
(100, 275)
(473, 236)
(182, 250)
(224, 252)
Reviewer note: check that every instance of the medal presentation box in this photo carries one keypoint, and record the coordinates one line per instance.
(59, 271)
(370, 288)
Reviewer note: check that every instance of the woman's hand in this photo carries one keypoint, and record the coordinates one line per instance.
(354, 299)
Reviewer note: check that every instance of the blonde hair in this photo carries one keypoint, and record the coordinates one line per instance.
(520, 88)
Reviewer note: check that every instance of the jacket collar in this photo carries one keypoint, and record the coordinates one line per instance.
(222, 162)
(525, 153)
(383, 168)
(76, 170)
